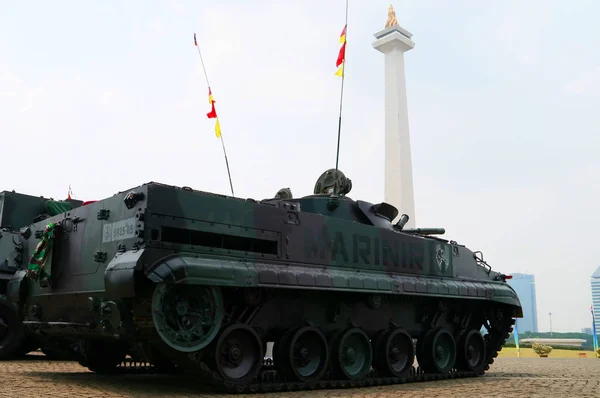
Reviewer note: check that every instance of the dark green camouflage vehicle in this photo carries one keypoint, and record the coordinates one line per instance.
(203, 282)
(18, 210)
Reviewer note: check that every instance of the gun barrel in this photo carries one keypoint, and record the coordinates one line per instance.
(425, 231)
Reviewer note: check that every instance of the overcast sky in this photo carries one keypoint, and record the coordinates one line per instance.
(503, 104)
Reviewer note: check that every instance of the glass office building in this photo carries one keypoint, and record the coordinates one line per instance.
(524, 285)
(596, 297)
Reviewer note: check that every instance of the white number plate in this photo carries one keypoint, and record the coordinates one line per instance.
(119, 230)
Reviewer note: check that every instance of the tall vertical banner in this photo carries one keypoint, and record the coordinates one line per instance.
(516, 334)
(213, 113)
(341, 59)
(594, 334)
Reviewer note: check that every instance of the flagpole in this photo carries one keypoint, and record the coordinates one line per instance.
(594, 333)
(221, 133)
(227, 164)
(516, 336)
(337, 155)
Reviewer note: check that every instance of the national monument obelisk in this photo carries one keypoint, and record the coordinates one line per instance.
(394, 41)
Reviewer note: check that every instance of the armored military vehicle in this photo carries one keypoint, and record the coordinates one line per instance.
(204, 281)
(19, 210)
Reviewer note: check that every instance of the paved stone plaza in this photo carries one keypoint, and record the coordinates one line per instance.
(509, 377)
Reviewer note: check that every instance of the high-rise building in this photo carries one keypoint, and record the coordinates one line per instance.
(596, 297)
(524, 285)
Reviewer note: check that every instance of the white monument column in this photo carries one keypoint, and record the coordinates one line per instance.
(394, 41)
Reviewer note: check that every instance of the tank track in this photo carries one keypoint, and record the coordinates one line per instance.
(268, 379)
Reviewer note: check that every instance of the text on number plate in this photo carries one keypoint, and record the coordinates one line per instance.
(124, 229)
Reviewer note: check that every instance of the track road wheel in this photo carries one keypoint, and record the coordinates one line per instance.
(351, 353)
(282, 342)
(437, 351)
(53, 353)
(61, 349)
(157, 358)
(394, 353)
(305, 355)
(102, 356)
(28, 345)
(421, 358)
(12, 332)
(238, 353)
(471, 351)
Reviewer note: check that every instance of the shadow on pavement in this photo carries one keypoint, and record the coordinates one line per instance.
(35, 357)
(134, 384)
(167, 385)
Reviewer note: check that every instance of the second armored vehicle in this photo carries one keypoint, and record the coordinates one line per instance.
(17, 211)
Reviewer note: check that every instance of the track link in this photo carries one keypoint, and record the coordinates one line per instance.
(267, 381)
(135, 367)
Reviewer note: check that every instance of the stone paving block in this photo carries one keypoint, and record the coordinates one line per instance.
(508, 377)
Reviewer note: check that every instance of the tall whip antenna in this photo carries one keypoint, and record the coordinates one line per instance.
(213, 115)
(341, 72)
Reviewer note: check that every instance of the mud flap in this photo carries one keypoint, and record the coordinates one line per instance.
(18, 287)
(119, 274)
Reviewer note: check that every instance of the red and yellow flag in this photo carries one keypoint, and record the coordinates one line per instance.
(341, 59)
(213, 113)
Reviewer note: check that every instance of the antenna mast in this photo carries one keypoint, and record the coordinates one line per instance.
(342, 70)
(213, 114)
